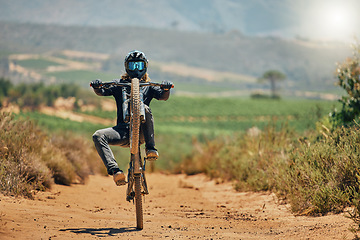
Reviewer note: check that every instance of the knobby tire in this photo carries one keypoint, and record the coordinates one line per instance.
(138, 202)
(134, 144)
(135, 119)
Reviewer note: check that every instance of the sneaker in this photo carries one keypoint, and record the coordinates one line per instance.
(119, 178)
(152, 154)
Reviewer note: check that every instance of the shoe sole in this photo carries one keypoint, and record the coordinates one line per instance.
(152, 155)
(121, 179)
(151, 159)
(121, 183)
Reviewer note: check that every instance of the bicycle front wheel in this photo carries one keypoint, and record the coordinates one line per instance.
(135, 118)
(134, 148)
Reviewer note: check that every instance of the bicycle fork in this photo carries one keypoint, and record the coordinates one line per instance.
(136, 172)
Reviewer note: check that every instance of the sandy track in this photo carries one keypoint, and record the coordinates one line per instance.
(178, 207)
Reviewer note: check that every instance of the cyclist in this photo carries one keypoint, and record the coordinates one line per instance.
(136, 65)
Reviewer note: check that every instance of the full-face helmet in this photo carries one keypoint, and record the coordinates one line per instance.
(136, 64)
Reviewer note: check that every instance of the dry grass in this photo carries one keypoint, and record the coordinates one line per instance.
(31, 160)
(316, 174)
(251, 160)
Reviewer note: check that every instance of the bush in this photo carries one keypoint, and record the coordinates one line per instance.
(6, 85)
(34, 95)
(80, 154)
(31, 160)
(21, 167)
(254, 161)
(264, 96)
(348, 75)
(316, 175)
(322, 176)
(4, 90)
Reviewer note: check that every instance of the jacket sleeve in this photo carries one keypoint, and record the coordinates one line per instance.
(165, 95)
(160, 94)
(103, 92)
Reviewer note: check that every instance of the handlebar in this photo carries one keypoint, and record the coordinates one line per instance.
(125, 84)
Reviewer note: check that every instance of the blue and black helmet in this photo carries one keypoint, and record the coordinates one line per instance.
(136, 64)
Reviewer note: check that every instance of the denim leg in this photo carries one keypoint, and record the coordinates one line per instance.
(118, 135)
(147, 129)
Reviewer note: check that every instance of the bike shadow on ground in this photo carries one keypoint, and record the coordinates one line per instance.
(101, 232)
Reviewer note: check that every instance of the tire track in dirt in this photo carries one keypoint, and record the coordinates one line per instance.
(178, 207)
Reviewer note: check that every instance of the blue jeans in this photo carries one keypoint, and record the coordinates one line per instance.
(119, 135)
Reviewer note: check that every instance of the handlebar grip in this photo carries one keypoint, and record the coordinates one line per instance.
(99, 86)
(172, 86)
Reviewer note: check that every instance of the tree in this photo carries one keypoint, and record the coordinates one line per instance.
(348, 76)
(273, 76)
(6, 85)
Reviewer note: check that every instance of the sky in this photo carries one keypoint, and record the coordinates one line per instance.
(328, 19)
(309, 19)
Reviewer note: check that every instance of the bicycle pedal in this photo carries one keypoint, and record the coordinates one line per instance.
(121, 183)
(151, 159)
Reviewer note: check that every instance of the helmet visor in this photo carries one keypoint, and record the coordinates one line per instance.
(140, 65)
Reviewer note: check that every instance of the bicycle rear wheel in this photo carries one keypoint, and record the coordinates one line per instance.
(138, 202)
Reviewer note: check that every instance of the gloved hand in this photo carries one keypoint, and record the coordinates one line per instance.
(96, 83)
(166, 85)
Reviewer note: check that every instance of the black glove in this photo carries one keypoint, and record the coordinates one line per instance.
(166, 85)
(96, 83)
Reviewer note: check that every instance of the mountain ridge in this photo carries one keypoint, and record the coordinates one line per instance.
(249, 17)
(307, 64)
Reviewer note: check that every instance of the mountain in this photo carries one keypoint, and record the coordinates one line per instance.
(308, 65)
(198, 15)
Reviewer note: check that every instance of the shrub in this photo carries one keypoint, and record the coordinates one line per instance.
(80, 154)
(253, 161)
(264, 96)
(34, 95)
(322, 175)
(5, 87)
(315, 174)
(20, 161)
(348, 75)
(31, 160)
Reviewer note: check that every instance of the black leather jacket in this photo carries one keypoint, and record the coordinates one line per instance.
(149, 92)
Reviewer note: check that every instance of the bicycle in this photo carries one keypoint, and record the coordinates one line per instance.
(134, 114)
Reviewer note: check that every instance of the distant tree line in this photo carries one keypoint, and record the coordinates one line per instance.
(34, 95)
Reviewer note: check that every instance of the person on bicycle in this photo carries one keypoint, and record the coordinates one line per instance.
(136, 65)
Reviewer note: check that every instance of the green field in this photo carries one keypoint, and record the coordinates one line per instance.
(214, 116)
(180, 120)
(38, 64)
(228, 115)
(203, 87)
(214, 107)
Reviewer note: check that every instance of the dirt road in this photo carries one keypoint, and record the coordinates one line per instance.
(178, 207)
